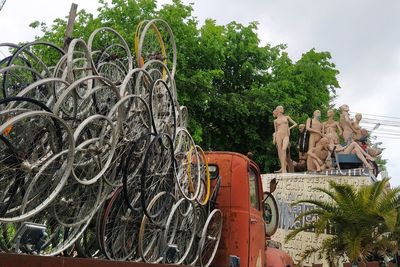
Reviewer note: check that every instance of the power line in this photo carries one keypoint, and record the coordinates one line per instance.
(381, 121)
(381, 116)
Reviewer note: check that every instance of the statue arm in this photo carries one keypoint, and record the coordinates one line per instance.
(339, 128)
(294, 124)
(274, 134)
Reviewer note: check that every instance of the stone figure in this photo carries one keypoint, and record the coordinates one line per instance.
(314, 127)
(366, 145)
(330, 128)
(346, 123)
(352, 148)
(317, 155)
(357, 134)
(301, 165)
(281, 135)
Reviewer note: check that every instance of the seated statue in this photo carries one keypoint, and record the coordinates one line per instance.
(352, 148)
(317, 156)
(366, 145)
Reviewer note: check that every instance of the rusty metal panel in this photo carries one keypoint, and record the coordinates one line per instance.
(17, 260)
(20, 260)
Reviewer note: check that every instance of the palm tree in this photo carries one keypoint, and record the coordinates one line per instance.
(359, 219)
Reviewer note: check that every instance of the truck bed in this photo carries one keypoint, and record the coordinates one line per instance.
(21, 260)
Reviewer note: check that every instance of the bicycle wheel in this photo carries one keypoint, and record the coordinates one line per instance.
(210, 238)
(162, 108)
(42, 56)
(87, 246)
(183, 117)
(180, 231)
(137, 82)
(110, 53)
(95, 139)
(201, 217)
(76, 103)
(44, 90)
(133, 117)
(77, 203)
(79, 62)
(16, 77)
(157, 42)
(159, 71)
(187, 167)
(31, 159)
(157, 173)
(120, 229)
(151, 231)
(204, 192)
(131, 170)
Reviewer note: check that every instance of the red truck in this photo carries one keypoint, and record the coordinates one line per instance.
(250, 215)
(250, 218)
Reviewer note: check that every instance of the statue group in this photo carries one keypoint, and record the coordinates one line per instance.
(318, 140)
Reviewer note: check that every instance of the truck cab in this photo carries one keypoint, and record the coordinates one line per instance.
(248, 220)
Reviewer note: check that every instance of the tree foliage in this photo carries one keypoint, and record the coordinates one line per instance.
(229, 81)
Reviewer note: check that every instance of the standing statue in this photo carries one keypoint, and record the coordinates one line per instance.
(317, 155)
(330, 128)
(357, 134)
(314, 127)
(346, 123)
(281, 135)
(366, 145)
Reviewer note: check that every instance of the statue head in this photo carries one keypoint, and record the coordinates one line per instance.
(364, 132)
(324, 142)
(280, 109)
(358, 116)
(330, 113)
(317, 114)
(302, 127)
(344, 107)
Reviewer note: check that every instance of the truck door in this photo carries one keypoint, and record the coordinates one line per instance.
(257, 230)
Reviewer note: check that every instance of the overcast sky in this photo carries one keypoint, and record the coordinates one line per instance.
(363, 37)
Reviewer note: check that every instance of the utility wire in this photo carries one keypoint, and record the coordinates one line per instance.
(380, 116)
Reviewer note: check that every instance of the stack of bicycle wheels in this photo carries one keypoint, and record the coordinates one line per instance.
(95, 156)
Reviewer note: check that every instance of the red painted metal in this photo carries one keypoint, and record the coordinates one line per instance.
(278, 258)
(21, 260)
(243, 232)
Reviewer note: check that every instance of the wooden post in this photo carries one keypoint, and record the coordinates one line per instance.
(70, 26)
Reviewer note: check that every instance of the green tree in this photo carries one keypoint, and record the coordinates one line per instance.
(360, 221)
(229, 81)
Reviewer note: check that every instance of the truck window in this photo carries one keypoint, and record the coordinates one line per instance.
(253, 187)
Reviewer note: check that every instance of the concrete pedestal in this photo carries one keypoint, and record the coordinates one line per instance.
(293, 187)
